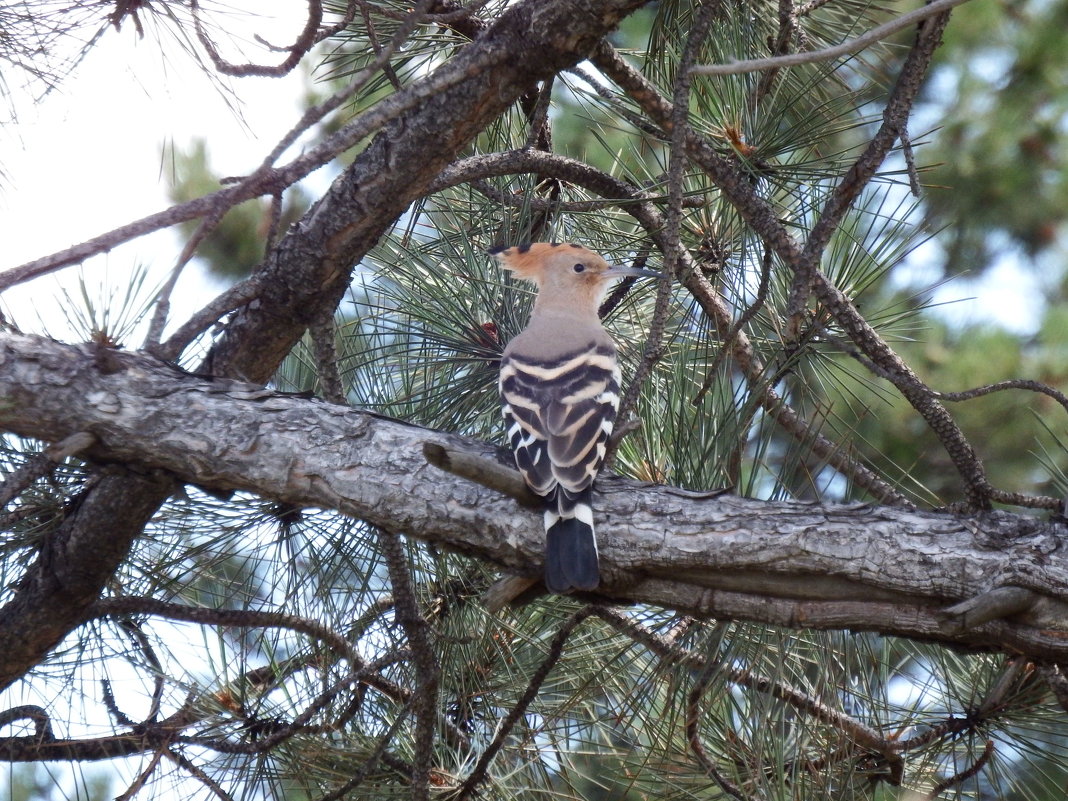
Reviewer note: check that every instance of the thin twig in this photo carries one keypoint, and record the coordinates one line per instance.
(297, 50)
(953, 397)
(353, 84)
(750, 312)
(181, 761)
(372, 38)
(693, 732)
(162, 300)
(861, 172)
(963, 775)
(1018, 667)
(139, 637)
(142, 777)
(540, 135)
(845, 48)
(424, 697)
(346, 20)
(910, 161)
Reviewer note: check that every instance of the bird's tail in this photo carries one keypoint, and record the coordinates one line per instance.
(570, 544)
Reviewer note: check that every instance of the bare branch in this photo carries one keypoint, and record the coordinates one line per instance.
(297, 50)
(877, 34)
(262, 182)
(425, 695)
(495, 475)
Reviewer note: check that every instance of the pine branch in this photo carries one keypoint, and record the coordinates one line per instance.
(307, 273)
(761, 217)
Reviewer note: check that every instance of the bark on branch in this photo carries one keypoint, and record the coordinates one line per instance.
(790, 564)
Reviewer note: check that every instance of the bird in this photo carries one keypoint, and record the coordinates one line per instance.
(559, 386)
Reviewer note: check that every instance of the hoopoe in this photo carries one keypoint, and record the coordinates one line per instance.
(559, 387)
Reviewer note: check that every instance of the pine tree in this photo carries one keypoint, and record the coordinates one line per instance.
(262, 555)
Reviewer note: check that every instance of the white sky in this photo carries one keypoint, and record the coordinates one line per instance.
(92, 157)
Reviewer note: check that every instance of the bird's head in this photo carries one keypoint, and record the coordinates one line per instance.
(563, 269)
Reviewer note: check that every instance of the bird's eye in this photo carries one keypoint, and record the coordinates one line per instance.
(578, 268)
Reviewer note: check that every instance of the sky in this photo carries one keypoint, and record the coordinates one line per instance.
(94, 155)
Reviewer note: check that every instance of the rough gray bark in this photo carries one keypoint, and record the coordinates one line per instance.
(792, 564)
(310, 268)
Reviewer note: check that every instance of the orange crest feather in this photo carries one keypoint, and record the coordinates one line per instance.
(527, 260)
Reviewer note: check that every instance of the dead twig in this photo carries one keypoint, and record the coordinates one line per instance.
(424, 696)
(883, 31)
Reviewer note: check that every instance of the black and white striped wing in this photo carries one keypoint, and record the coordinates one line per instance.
(559, 414)
(523, 403)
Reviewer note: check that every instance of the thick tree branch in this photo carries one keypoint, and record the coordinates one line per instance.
(312, 266)
(789, 564)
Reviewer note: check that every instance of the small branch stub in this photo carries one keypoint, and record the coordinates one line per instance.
(482, 471)
(999, 603)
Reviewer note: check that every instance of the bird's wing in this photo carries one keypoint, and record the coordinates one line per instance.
(560, 412)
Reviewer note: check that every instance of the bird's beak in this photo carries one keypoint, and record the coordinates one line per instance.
(632, 272)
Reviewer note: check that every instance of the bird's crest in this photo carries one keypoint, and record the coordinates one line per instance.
(527, 260)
